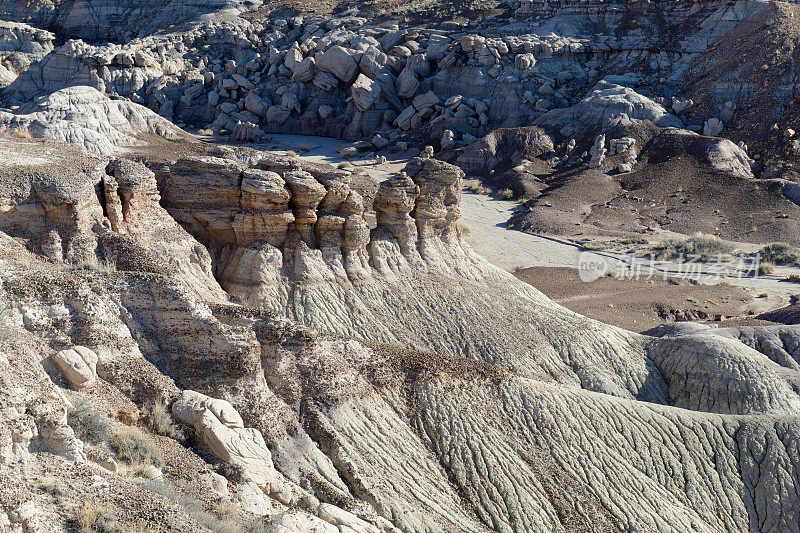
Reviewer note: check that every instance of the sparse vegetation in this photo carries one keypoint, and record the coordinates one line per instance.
(477, 188)
(93, 518)
(780, 253)
(5, 311)
(345, 165)
(230, 471)
(162, 422)
(128, 416)
(700, 246)
(765, 268)
(88, 423)
(136, 449)
(292, 154)
(16, 131)
(93, 264)
(21, 132)
(225, 517)
(596, 245)
(635, 239)
(793, 278)
(463, 230)
(53, 487)
(506, 194)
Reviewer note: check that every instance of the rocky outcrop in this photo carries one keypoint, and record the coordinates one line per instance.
(222, 431)
(605, 102)
(21, 45)
(373, 373)
(78, 364)
(118, 21)
(578, 425)
(406, 263)
(354, 77)
(86, 117)
(97, 215)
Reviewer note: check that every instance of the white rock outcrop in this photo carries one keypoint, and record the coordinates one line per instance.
(713, 127)
(222, 431)
(85, 116)
(78, 364)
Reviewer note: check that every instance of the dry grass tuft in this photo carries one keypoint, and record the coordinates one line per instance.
(163, 423)
(54, 488)
(765, 268)
(21, 133)
(506, 194)
(93, 264)
(477, 188)
(136, 449)
(700, 246)
(93, 518)
(88, 423)
(780, 253)
(635, 239)
(223, 518)
(463, 230)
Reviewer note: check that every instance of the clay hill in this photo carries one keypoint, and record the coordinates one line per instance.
(201, 333)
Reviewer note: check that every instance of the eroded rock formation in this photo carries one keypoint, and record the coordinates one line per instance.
(576, 425)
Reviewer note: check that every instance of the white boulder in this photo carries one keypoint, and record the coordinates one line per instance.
(365, 92)
(713, 127)
(338, 62)
(78, 364)
(220, 428)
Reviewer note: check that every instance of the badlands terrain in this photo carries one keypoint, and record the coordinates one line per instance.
(276, 266)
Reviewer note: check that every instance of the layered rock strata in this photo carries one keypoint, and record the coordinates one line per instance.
(530, 417)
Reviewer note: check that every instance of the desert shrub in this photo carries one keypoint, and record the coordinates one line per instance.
(463, 230)
(291, 153)
(88, 423)
(93, 518)
(780, 253)
(766, 268)
(596, 245)
(230, 471)
(226, 511)
(5, 314)
(93, 264)
(21, 133)
(793, 278)
(224, 518)
(635, 239)
(344, 165)
(162, 422)
(135, 448)
(700, 245)
(53, 487)
(506, 194)
(477, 188)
